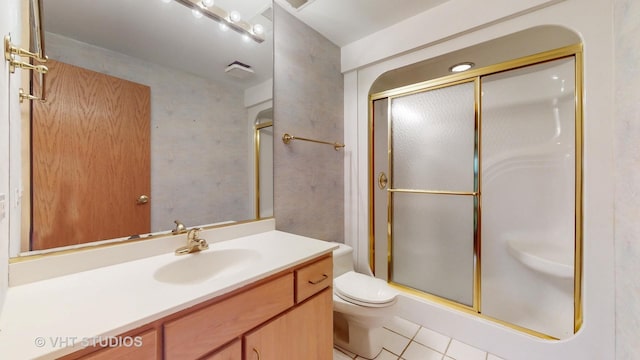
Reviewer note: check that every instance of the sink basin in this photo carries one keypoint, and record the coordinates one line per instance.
(201, 266)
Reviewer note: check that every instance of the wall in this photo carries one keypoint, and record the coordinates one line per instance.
(9, 124)
(627, 163)
(595, 340)
(308, 102)
(192, 119)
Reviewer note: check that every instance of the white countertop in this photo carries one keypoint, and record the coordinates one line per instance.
(37, 318)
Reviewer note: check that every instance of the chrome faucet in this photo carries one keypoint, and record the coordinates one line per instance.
(194, 243)
(179, 229)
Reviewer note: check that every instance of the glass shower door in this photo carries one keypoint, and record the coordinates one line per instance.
(529, 188)
(433, 191)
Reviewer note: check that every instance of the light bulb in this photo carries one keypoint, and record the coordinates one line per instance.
(246, 38)
(196, 13)
(224, 27)
(207, 3)
(461, 67)
(166, 1)
(235, 16)
(258, 29)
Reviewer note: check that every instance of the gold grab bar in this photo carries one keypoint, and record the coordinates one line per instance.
(35, 52)
(286, 138)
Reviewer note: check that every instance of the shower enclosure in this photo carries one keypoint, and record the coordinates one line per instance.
(476, 191)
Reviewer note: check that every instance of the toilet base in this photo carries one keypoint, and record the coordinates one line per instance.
(361, 340)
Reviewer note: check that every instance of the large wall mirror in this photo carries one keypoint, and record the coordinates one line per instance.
(150, 117)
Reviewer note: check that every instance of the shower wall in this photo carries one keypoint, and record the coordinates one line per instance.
(627, 169)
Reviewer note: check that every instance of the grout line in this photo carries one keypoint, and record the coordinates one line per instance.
(429, 347)
(347, 355)
(404, 336)
(448, 346)
(410, 341)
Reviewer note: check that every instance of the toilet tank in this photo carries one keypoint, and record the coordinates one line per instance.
(342, 259)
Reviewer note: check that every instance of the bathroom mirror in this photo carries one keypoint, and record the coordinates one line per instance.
(195, 155)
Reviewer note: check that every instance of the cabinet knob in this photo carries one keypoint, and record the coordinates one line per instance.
(142, 199)
(257, 352)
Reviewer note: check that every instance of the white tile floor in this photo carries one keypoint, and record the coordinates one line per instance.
(405, 340)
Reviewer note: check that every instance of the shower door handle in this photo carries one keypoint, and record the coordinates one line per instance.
(382, 180)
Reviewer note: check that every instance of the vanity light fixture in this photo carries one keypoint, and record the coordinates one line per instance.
(196, 13)
(460, 67)
(235, 16)
(228, 20)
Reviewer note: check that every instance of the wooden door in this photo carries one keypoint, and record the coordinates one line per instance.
(305, 332)
(90, 158)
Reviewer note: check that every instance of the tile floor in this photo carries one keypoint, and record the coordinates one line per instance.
(405, 340)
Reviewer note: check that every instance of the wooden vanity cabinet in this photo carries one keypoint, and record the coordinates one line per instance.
(287, 316)
(304, 332)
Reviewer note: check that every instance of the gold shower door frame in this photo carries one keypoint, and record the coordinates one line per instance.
(573, 51)
(256, 142)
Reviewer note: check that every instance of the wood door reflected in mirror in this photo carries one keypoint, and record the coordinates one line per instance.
(90, 158)
(200, 156)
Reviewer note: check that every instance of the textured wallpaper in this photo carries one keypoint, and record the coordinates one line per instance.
(308, 102)
(627, 162)
(199, 140)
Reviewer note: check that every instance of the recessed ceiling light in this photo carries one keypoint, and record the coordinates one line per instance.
(464, 66)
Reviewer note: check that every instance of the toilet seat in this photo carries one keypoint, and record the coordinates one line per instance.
(364, 290)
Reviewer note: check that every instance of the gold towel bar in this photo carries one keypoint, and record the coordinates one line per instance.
(286, 138)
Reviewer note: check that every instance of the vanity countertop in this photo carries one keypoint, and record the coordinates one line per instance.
(42, 319)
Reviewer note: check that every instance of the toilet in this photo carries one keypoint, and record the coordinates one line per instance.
(362, 305)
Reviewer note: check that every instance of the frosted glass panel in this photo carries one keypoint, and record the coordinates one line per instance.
(433, 139)
(528, 196)
(433, 244)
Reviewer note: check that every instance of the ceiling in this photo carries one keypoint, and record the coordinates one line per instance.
(168, 34)
(345, 21)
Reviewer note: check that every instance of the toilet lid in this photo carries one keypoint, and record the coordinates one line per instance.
(363, 290)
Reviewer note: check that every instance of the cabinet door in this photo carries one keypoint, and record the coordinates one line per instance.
(232, 351)
(302, 333)
(144, 347)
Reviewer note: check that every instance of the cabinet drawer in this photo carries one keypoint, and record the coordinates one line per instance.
(313, 278)
(202, 331)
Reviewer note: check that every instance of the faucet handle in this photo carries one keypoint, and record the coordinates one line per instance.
(180, 228)
(202, 244)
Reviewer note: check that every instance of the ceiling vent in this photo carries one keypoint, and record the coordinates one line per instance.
(298, 4)
(268, 13)
(239, 70)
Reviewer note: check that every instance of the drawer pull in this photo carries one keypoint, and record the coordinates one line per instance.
(324, 277)
(257, 353)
